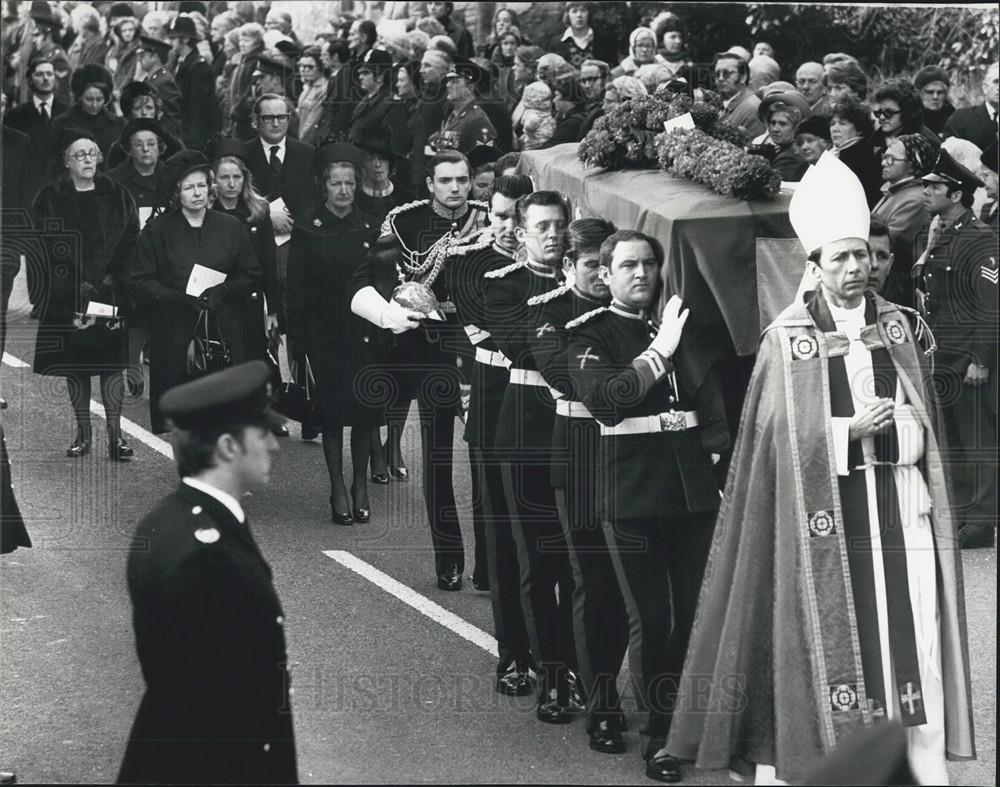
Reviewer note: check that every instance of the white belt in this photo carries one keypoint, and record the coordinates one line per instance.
(572, 409)
(492, 358)
(476, 334)
(671, 421)
(527, 377)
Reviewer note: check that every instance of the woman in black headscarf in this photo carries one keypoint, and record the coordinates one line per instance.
(94, 228)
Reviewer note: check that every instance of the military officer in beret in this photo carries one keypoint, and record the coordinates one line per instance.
(209, 627)
(423, 359)
(658, 493)
(957, 287)
(467, 126)
(153, 55)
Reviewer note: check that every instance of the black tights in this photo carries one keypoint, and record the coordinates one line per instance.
(112, 396)
(333, 446)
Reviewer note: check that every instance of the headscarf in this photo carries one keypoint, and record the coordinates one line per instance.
(919, 152)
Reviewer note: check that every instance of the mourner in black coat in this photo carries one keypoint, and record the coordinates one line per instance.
(209, 627)
(13, 533)
(16, 176)
(198, 114)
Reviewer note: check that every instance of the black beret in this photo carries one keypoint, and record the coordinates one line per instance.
(141, 124)
(236, 396)
(67, 136)
(337, 151)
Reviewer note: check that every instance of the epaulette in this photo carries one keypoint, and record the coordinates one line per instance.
(585, 317)
(499, 273)
(463, 246)
(922, 331)
(551, 295)
(386, 228)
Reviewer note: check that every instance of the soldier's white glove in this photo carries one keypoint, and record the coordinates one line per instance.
(367, 303)
(669, 336)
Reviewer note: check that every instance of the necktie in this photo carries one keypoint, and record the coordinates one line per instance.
(275, 161)
(43, 110)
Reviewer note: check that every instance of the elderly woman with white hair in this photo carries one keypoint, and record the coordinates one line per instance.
(642, 51)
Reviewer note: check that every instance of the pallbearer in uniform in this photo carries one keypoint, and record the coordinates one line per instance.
(523, 444)
(491, 250)
(658, 491)
(957, 291)
(209, 628)
(833, 595)
(600, 623)
(424, 365)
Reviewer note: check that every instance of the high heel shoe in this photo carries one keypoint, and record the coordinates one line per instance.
(380, 478)
(79, 448)
(339, 519)
(361, 515)
(119, 450)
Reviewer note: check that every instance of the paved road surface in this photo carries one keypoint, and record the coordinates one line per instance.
(391, 676)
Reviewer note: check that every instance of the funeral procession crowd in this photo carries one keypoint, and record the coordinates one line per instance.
(202, 203)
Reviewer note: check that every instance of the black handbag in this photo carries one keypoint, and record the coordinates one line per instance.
(296, 401)
(94, 332)
(206, 354)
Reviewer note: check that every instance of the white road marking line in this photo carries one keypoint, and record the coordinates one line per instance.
(17, 363)
(412, 598)
(130, 427)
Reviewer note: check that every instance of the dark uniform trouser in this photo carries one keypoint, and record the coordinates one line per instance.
(501, 562)
(600, 620)
(968, 415)
(544, 565)
(479, 507)
(660, 612)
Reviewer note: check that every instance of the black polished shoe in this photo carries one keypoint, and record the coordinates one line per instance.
(309, 432)
(577, 702)
(380, 478)
(3, 403)
(119, 450)
(663, 768)
(976, 536)
(79, 448)
(340, 519)
(362, 515)
(551, 710)
(279, 431)
(450, 578)
(399, 473)
(515, 682)
(8, 777)
(606, 737)
(481, 584)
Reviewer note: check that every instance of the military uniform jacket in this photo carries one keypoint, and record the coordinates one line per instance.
(958, 276)
(209, 632)
(655, 475)
(169, 96)
(465, 284)
(549, 346)
(419, 227)
(528, 411)
(465, 128)
(197, 100)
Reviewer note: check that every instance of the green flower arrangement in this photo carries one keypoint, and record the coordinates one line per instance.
(625, 137)
(722, 166)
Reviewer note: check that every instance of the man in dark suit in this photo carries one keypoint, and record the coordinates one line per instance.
(209, 627)
(153, 53)
(193, 76)
(34, 118)
(978, 124)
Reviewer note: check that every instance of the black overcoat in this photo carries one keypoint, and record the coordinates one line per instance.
(168, 250)
(88, 236)
(198, 113)
(209, 632)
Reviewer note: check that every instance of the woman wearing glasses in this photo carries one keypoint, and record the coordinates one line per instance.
(95, 227)
(168, 249)
(642, 51)
(313, 96)
(898, 111)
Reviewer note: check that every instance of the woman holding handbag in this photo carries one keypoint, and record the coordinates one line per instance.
(190, 234)
(340, 347)
(91, 226)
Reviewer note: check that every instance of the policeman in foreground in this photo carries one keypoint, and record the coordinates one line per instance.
(208, 622)
(957, 293)
(658, 493)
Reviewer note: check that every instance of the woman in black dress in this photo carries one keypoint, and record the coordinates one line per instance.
(326, 249)
(168, 249)
(94, 224)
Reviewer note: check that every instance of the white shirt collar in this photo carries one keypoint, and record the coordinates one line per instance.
(281, 148)
(990, 111)
(582, 43)
(849, 318)
(40, 101)
(225, 498)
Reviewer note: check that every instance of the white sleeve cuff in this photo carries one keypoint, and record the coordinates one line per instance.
(367, 303)
(841, 440)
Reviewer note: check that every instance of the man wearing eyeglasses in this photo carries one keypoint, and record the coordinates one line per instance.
(732, 75)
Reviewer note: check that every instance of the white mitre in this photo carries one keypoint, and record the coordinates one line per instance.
(829, 204)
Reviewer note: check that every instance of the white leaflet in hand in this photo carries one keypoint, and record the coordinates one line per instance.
(684, 121)
(279, 205)
(95, 309)
(144, 215)
(202, 278)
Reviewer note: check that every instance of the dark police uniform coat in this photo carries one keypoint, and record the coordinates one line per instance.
(209, 631)
(169, 97)
(197, 100)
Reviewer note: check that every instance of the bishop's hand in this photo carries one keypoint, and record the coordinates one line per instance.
(872, 419)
